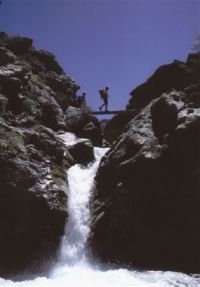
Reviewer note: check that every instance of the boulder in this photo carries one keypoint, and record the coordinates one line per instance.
(83, 124)
(82, 152)
(145, 208)
(164, 113)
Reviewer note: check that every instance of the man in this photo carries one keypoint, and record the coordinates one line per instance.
(81, 100)
(104, 96)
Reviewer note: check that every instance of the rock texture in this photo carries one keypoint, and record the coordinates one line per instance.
(145, 208)
(34, 96)
(115, 127)
(82, 152)
(33, 196)
(83, 124)
(177, 75)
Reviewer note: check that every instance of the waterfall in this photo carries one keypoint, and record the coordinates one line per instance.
(77, 230)
(74, 270)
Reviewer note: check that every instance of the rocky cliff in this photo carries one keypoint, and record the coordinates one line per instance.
(145, 205)
(145, 208)
(176, 75)
(37, 101)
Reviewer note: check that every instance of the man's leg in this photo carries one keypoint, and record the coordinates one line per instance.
(100, 108)
(106, 106)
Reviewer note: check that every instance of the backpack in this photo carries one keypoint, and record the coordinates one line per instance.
(103, 94)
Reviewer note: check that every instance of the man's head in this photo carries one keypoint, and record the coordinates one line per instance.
(107, 88)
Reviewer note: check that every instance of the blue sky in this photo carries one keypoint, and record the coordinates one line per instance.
(115, 43)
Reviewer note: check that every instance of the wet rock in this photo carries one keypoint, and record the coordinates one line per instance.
(145, 209)
(83, 124)
(33, 191)
(33, 159)
(82, 152)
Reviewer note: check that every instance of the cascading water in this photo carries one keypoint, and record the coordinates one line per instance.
(73, 268)
(77, 229)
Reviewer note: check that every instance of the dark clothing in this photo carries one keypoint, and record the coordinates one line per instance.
(81, 100)
(104, 96)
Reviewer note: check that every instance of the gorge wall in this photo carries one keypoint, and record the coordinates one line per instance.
(145, 207)
(37, 102)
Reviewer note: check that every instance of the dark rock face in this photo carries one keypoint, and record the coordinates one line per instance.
(6, 56)
(164, 113)
(48, 60)
(19, 45)
(32, 197)
(33, 159)
(34, 89)
(115, 127)
(177, 75)
(82, 152)
(61, 85)
(83, 125)
(145, 209)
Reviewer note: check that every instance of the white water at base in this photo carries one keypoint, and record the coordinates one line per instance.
(73, 268)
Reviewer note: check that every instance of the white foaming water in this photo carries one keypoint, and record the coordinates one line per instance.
(73, 268)
(77, 230)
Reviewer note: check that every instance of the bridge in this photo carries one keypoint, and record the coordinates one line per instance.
(117, 112)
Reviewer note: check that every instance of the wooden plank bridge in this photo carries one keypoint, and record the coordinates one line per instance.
(117, 112)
